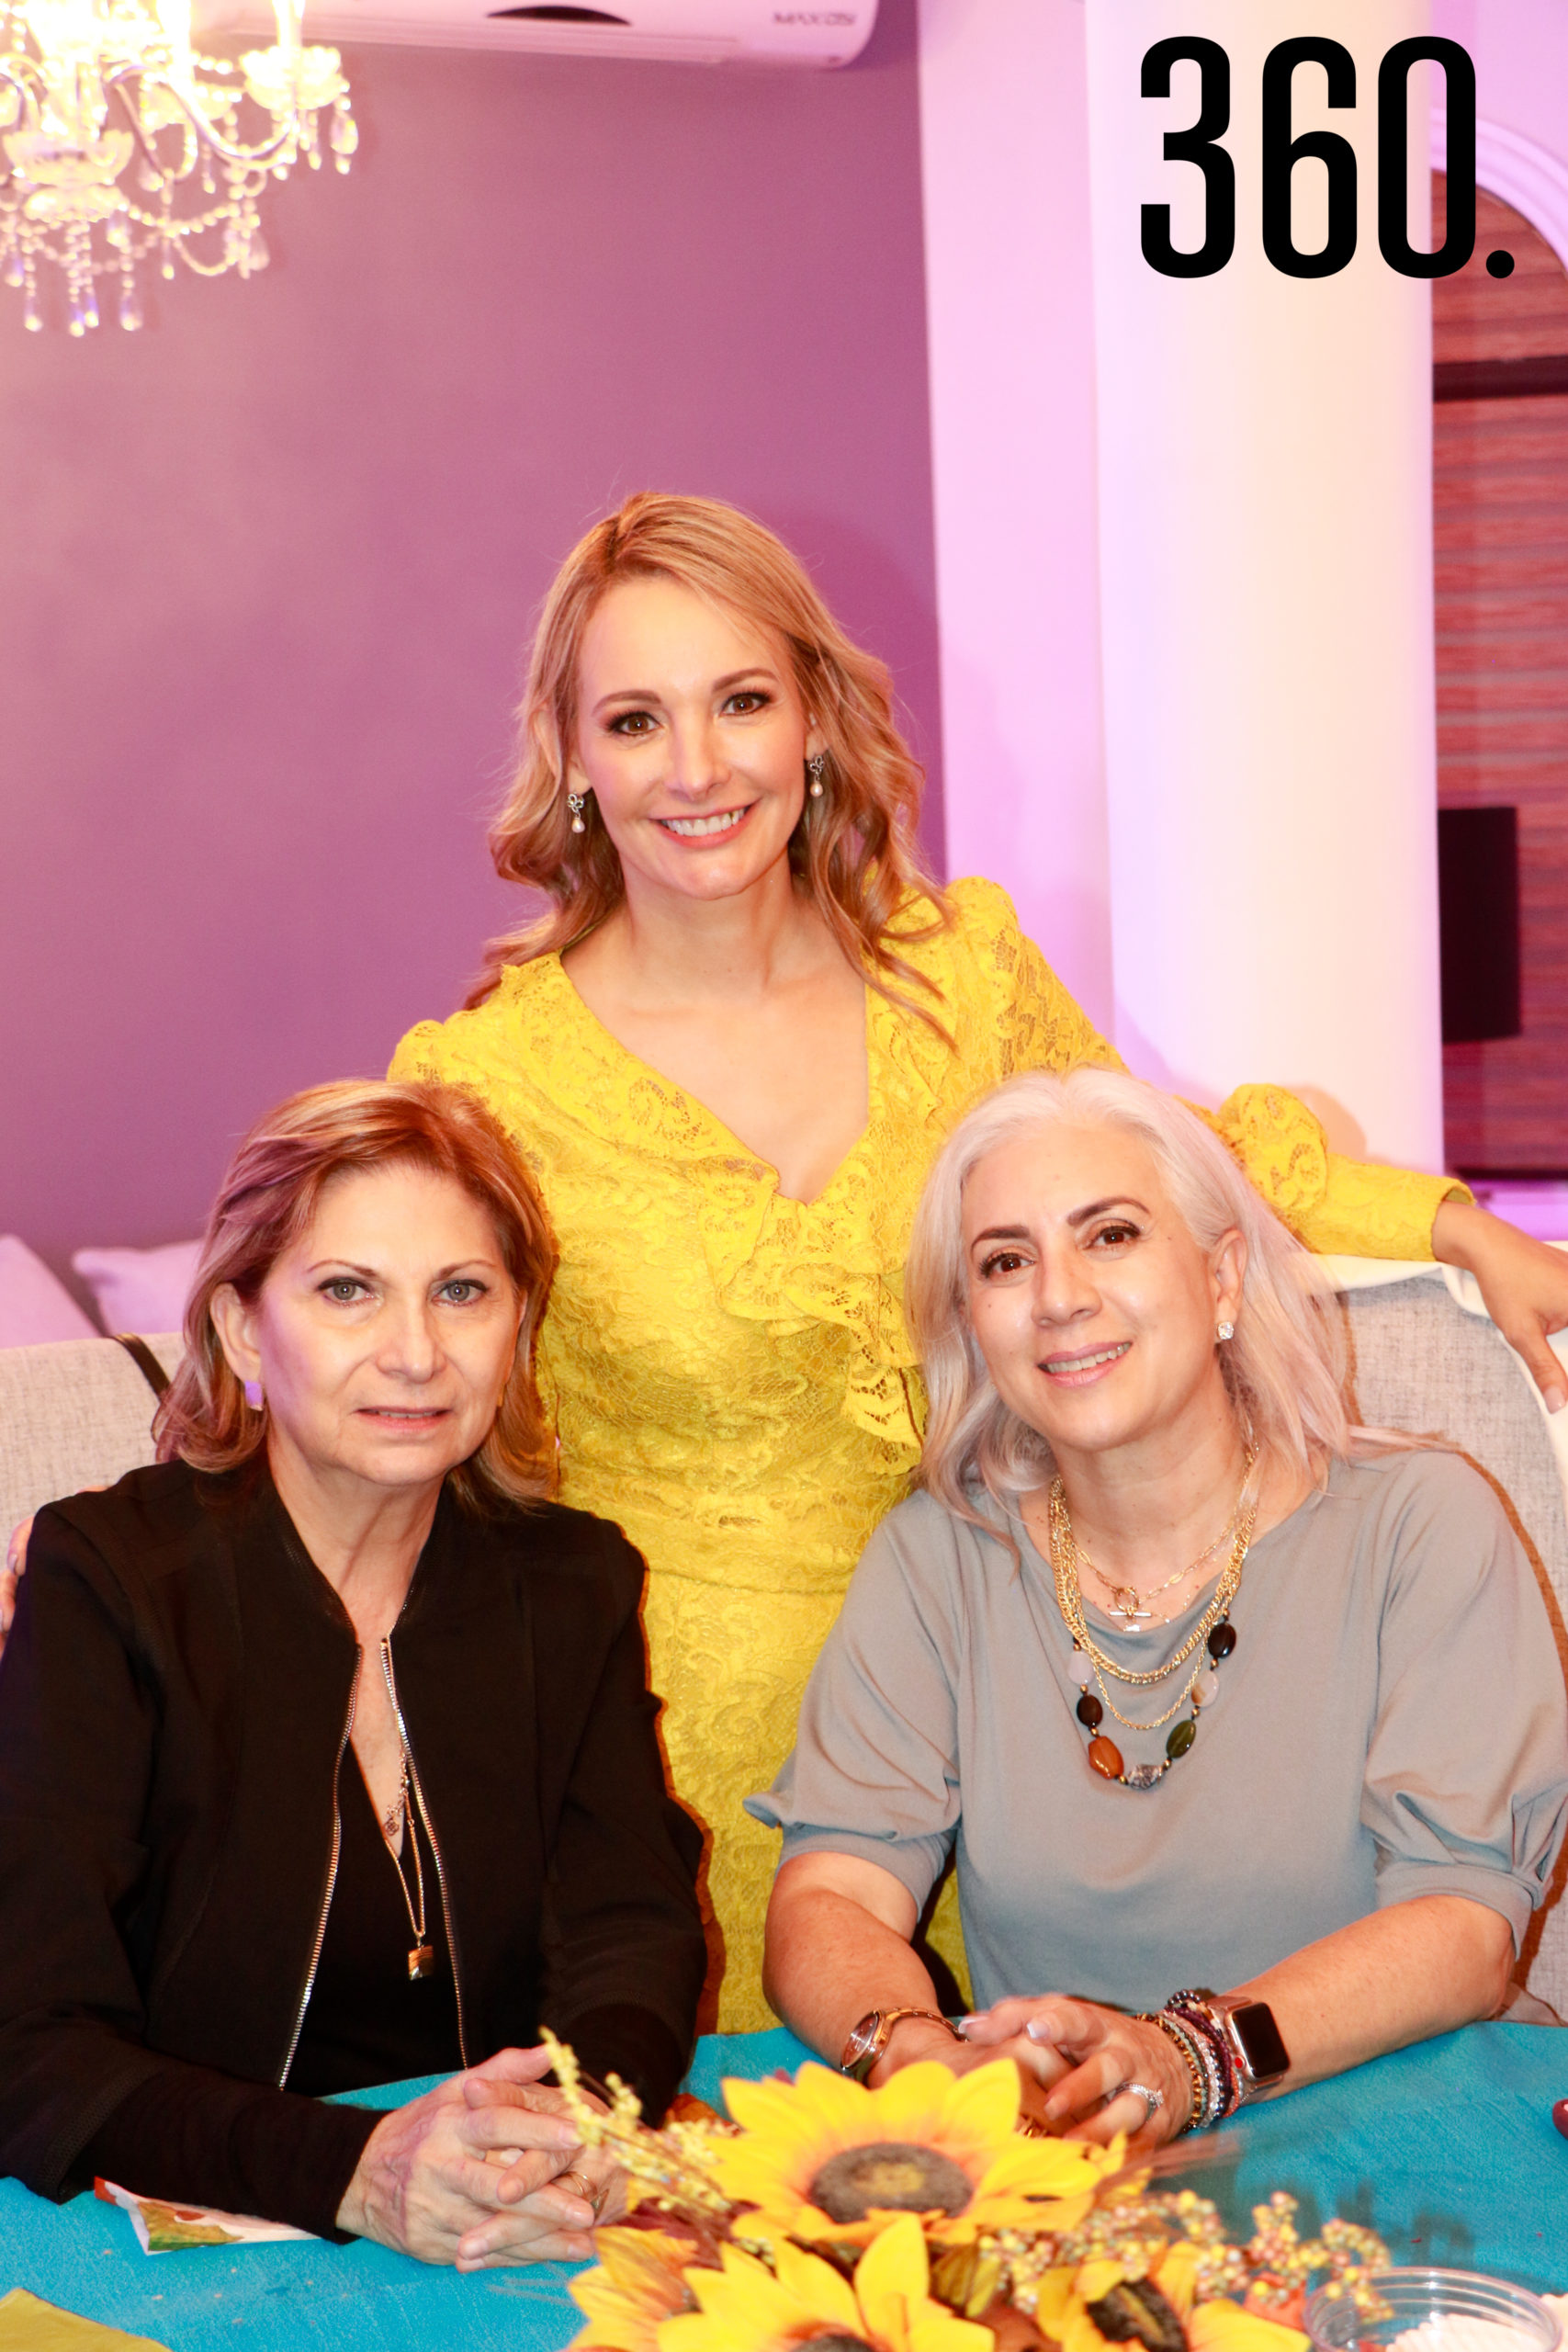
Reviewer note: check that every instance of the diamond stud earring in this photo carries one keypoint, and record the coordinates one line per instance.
(1225, 1331)
(577, 802)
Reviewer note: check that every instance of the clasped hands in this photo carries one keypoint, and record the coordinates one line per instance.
(484, 2171)
(1073, 2057)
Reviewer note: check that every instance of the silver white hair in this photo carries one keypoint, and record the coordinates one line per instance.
(1286, 1369)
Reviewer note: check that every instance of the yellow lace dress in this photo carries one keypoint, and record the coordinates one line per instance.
(728, 1369)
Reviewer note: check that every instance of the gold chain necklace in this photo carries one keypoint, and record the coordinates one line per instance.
(422, 1954)
(1124, 1598)
(1212, 1632)
(1070, 1595)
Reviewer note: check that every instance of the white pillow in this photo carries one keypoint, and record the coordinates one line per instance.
(35, 1304)
(140, 1290)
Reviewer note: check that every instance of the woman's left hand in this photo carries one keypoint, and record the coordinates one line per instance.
(1524, 1284)
(1104, 2051)
(533, 2190)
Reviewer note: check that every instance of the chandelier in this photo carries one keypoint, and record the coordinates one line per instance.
(122, 143)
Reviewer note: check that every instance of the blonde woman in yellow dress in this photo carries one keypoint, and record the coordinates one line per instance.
(730, 1052)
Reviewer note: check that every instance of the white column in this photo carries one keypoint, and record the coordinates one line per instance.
(1266, 566)
(1004, 151)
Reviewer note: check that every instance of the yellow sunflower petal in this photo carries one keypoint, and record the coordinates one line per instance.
(893, 2287)
(916, 2104)
(614, 2324)
(1054, 2297)
(1097, 2279)
(1079, 2332)
(742, 2308)
(1223, 2326)
(637, 2284)
(938, 2330)
(816, 2284)
(1177, 2279)
(984, 2104)
(643, 2259)
(1047, 2168)
(893, 2276)
(790, 2113)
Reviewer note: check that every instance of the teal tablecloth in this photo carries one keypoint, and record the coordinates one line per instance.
(1449, 2150)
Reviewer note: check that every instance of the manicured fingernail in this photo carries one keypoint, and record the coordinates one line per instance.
(965, 2023)
(1555, 1398)
(1036, 2032)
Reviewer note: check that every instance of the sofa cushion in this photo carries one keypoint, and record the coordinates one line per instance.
(35, 1306)
(140, 1290)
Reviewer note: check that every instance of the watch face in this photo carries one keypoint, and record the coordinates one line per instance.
(862, 2044)
(1261, 2043)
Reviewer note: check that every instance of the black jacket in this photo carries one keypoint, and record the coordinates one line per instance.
(173, 1702)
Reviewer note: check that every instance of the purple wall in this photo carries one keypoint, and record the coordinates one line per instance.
(267, 569)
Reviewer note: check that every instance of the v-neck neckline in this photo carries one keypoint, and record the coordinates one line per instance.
(701, 1113)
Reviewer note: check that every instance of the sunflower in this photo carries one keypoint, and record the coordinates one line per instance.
(1072, 2304)
(636, 2285)
(824, 2158)
(887, 2307)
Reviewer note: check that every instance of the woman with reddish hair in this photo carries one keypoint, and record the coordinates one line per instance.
(327, 1755)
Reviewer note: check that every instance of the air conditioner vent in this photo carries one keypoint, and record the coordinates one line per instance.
(562, 15)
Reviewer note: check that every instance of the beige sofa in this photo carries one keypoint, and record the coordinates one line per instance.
(79, 1412)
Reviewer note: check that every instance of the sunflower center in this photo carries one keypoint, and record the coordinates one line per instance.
(1136, 2312)
(889, 2175)
(836, 2341)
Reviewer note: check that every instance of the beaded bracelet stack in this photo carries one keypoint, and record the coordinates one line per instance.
(1190, 2024)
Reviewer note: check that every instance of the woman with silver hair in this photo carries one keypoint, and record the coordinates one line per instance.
(1200, 1683)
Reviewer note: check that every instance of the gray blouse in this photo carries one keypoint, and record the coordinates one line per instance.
(1391, 1722)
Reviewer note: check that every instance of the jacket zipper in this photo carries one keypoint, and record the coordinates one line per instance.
(435, 1847)
(331, 1878)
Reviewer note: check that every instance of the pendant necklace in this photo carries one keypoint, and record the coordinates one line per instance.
(1210, 1642)
(1125, 1597)
(422, 1954)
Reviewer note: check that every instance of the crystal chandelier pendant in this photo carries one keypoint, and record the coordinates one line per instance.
(121, 143)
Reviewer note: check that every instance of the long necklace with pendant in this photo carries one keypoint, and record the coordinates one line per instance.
(422, 1954)
(1213, 1634)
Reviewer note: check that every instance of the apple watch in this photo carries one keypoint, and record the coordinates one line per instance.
(1252, 2037)
(869, 2038)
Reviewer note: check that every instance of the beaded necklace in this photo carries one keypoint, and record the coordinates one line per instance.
(1210, 1642)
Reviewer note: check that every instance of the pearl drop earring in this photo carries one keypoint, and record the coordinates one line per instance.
(814, 767)
(577, 802)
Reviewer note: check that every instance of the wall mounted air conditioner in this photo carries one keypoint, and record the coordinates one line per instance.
(693, 33)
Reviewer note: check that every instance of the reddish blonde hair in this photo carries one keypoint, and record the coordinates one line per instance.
(267, 1200)
(853, 849)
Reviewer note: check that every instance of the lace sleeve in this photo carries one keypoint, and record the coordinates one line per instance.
(419, 1055)
(1338, 1206)
(1335, 1205)
(1036, 1022)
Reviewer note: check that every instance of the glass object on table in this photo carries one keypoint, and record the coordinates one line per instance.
(1434, 2311)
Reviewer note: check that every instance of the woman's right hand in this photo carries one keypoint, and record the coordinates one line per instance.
(430, 2183)
(916, 2042)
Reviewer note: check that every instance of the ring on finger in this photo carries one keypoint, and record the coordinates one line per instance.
(1153, 2099)
(586, 2190)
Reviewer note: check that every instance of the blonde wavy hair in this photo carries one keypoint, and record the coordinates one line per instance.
(1286, 1368)
(854, 848)
(267, 1200)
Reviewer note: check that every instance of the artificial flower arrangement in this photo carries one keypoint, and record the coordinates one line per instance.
(915, 2218)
